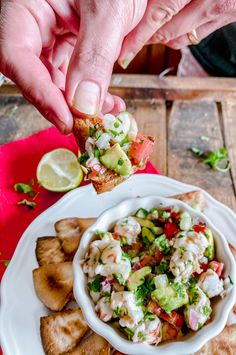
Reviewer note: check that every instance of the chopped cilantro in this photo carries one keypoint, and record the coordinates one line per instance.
(162, 267)
(5, 262)
(198, 151)
(162, 244)
(96, 153)
(114, 133)
(206, 310)
(141, 336)
(144, 291)
(120, 162)
(25, 189)
(126, 256)
(149, 316)
(25, 202)
(95, 285)
(116, 125)
(119, 278)
(125, 140)
(119, 119)
(129, 332)
(117, 311)
(83, 158)
(230, 280)
(98, 134)
(179, 288)
(92, 130)
(216, 157)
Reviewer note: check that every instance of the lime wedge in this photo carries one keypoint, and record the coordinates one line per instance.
(59, 170)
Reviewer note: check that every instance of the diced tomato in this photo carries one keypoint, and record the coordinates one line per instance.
(137, 246)
(204, 267)
(170, 229)
(93, 174)
(175, 319)
(169, 332)
(159, 256)
(116, 236)
(147, 260)
(175, 215)
(140, 151)
(199, 228)
(217, 267)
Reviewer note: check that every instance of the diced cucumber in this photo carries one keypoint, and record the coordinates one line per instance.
(141, 213)
(145, 223)
(148, 236)
(185, 221)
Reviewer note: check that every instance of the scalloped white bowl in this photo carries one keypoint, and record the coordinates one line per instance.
(192, 342)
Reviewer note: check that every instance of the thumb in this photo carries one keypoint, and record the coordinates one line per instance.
(92, 61)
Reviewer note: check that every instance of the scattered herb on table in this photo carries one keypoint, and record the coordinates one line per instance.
(5, 262)
(217, 159)
(28, 203)
(25, 189)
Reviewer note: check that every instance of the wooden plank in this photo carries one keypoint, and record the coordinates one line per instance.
(138, 86)
(188, 121)
(228, 117)
(19, 119)
(172, 87)
(151, 118)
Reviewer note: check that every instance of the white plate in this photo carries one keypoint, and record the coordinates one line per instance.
(20, 308)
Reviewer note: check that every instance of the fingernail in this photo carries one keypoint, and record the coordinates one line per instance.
(87, 98)
(126, 61)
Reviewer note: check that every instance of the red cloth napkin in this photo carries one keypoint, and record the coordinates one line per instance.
(18, 163)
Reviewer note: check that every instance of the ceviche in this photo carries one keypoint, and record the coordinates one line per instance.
(155, 274)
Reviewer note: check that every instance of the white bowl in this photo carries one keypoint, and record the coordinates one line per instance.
(191, 342)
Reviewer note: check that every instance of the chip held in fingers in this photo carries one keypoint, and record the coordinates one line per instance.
(61, 332)
(111, 148)
(53, 284)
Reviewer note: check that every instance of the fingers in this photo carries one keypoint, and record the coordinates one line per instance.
(32, 77)
(202, 32)
(205, 17)
(113, 104)
(102, 29)
(158, 12)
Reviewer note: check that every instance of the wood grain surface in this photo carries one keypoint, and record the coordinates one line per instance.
(178, 111)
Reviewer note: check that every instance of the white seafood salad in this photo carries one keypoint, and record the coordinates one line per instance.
(155, 274)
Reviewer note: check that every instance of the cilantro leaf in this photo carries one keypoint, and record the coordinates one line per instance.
(162, 244)
(25, 202)
(25, 189)
(83, 158)
(95, 285)
(144, 291)
(216, 157)
(198, 151)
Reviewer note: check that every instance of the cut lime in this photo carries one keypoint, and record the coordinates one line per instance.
(59, 170)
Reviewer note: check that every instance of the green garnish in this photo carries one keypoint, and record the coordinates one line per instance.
(230, 280)
(25, 202)
(126, 256)
(92, 130)
(144, 291)
(198, 151)
(129, 332)
(141, 336)
(162, 267)
(83, 158)
(95, 285)
(120, 162)
(162, 244)
(5, 262)
(119, 278)
(149, 316)
(25, 189)
(114, 133)
(206, 310)
(217, 159)
(96, 153)
(116, 125)
(117, 311)
(98, 134)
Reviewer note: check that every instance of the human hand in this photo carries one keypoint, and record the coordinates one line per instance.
(48, 46)
(170, 21)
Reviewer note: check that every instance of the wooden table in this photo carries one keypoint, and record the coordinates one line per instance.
(178, 111)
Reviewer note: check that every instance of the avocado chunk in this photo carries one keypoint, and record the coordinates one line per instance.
(168, 295)
(145, 222)
(210, 250)
(137, 278)
(148, 236)
(115, 159)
